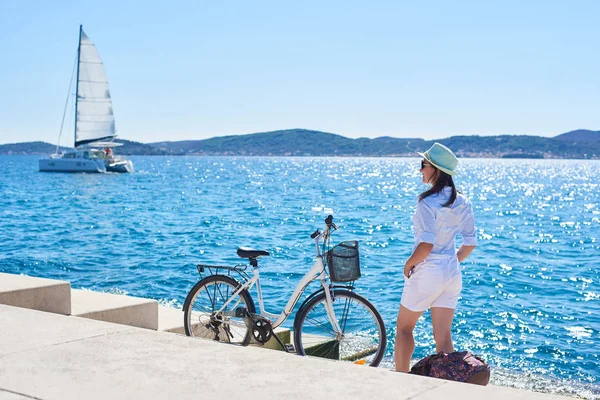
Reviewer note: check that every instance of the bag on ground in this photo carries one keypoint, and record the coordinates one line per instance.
(460, 366)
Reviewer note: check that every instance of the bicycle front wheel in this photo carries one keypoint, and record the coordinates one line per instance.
(205, 315)
(362, 338)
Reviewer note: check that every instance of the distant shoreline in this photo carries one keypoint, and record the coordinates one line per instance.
(580, 144)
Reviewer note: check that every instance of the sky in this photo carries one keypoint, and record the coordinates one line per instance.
(185, 70)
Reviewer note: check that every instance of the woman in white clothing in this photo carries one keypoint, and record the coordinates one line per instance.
(432, 276)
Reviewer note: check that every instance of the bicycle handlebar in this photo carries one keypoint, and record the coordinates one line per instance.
(328, 224)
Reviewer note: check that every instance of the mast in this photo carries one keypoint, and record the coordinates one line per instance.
(77, 82)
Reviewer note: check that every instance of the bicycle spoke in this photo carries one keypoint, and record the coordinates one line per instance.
(214, 296)
(326, 325)
(363, 333)
(202, 318)
(345, 315)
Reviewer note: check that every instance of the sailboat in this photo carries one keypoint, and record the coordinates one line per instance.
(94, 120)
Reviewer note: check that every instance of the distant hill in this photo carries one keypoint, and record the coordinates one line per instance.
(581, 144)
(580, 135)
(520, 146)
(29, 148)
(128, 148)
(302, 142)
(291, 142)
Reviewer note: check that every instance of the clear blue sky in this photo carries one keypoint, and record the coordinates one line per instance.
(197, 69)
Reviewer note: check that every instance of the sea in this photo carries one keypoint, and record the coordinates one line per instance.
(530, 305)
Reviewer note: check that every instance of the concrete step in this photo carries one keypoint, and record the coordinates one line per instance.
(170, 320)
(35, 293)
(118, 309)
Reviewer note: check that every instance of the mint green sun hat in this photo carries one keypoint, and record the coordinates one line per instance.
(442, 158)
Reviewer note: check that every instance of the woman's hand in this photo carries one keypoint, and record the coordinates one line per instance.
(419, 254)
(408, 268)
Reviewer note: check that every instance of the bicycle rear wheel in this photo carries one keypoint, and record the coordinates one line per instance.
(202, 317)
(363, 337)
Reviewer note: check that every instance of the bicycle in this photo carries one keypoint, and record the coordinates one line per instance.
(333, 322)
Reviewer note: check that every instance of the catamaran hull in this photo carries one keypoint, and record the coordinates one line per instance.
(74, 165)
(123, 166)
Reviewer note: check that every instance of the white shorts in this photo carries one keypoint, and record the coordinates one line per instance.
(435, 282)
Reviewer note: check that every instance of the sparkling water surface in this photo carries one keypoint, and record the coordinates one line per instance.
(531, 299)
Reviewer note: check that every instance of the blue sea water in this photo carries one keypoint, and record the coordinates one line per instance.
(531, 298)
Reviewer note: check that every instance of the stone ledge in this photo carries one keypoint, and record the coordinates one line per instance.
(170, 320)
(35, 293)
(125, 310)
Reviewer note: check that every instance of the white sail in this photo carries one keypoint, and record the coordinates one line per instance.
(95, 119)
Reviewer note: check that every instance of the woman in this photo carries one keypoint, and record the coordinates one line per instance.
(432, 273)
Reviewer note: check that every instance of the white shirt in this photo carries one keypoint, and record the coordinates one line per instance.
(439, 225)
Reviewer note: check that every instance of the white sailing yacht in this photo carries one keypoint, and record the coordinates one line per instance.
(94, 120)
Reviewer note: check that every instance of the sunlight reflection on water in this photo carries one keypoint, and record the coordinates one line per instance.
(531, 295)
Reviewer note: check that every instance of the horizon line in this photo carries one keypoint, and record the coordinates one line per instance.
(117, 137)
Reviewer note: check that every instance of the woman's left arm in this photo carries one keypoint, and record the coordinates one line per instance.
(464, 252)
(469, 235)
(421, 252)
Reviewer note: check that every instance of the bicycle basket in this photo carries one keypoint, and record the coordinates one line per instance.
(343, 262)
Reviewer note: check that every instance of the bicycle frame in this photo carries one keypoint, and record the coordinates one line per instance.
(316, 272)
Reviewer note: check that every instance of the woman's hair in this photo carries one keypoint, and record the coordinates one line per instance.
(440, 181)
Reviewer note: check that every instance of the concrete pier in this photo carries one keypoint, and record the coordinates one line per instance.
(50, 356)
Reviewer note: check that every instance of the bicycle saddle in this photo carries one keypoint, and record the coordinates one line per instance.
(246, 252)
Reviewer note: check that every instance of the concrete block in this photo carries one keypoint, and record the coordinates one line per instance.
(118, 309)
(39, 329)
(35, 293)
(170, 320)
(12, 396)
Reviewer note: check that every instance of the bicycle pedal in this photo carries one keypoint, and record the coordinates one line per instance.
(290, 348)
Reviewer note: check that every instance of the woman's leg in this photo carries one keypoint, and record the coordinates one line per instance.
(405, 343)
(441, 318)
